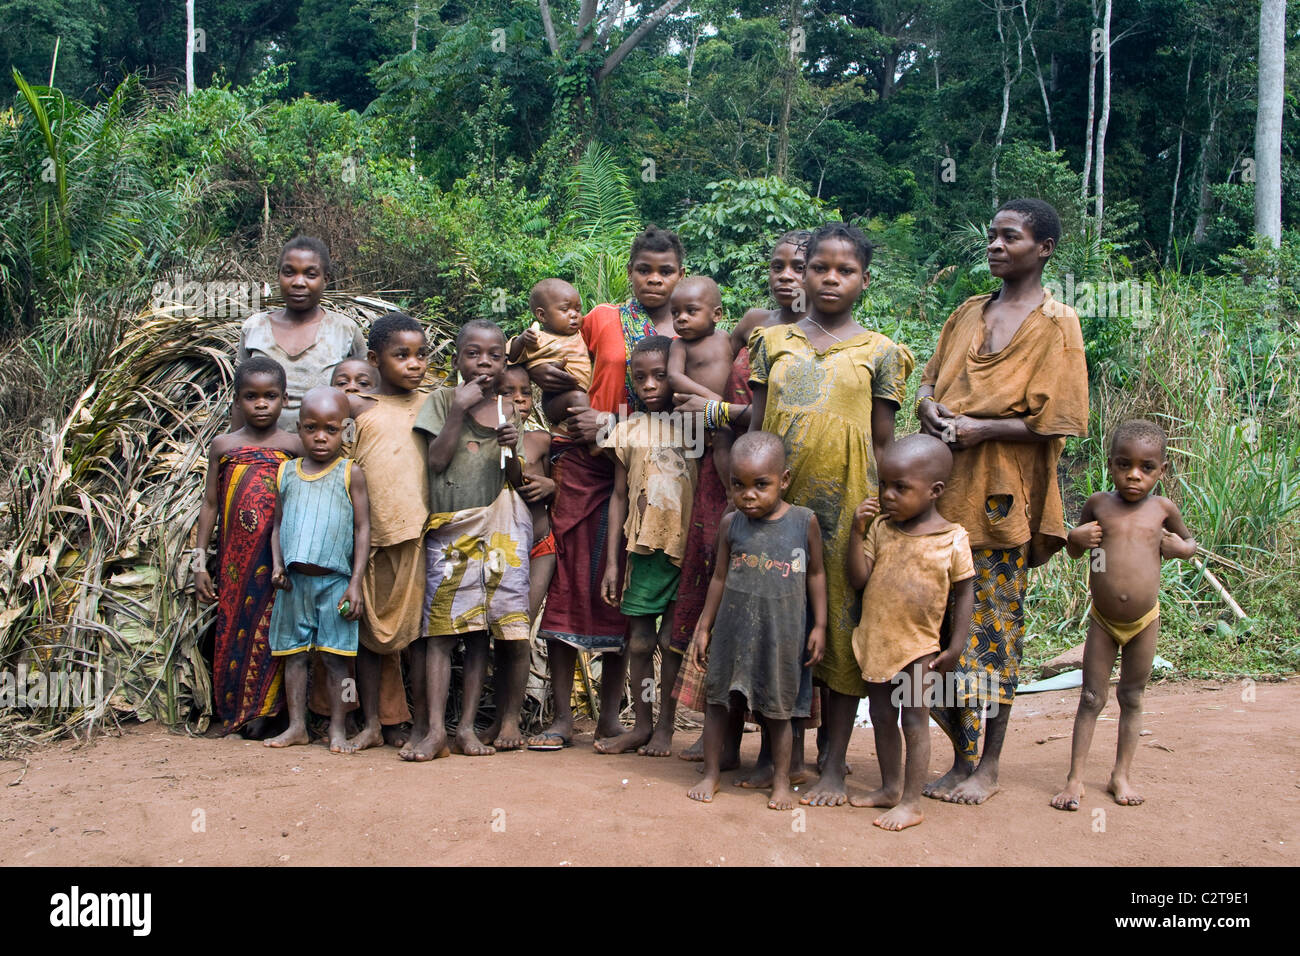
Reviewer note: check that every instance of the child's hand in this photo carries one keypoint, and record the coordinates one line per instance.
(816, 646)
(536, 489)
(279, 579)
(507, 435)
(946, 661)
(529, 338)
(1086, 536)
(203, 587)
(470, 392)
(609, 587)
(351, 598)
(1172, 546)
(865, 514)
(700, 648)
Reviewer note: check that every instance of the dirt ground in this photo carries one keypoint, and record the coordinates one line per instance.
(1219, 774)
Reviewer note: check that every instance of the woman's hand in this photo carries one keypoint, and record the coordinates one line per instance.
(552, 377)
(584, 424)
(688, 403)
(934, 418)
(966, 432)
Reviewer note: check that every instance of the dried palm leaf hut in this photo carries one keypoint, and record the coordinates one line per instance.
(93, 571)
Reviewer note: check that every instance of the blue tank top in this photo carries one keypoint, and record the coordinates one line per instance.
(316, 515)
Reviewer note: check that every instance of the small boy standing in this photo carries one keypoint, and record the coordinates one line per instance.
(913, 563)
(754, 628)
(477, 540)
(319, 547)
(1127, 531)
(654, 486)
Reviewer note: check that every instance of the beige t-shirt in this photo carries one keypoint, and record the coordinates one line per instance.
(1006, 493)
(393, 456)
(907, 595)
(552, 348)
(660, 483)
(337, 338)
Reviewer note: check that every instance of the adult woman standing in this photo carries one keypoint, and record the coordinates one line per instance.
(575, 617)
(1007, 382)
(305, 338)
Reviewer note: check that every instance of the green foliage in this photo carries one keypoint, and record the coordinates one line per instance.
(80, 215)
(730, 235)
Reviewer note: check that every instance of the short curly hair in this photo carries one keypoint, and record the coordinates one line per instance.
(1140, 430)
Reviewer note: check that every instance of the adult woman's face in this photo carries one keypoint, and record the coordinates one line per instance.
(1012, 249)
(654, 275)
(302, 280)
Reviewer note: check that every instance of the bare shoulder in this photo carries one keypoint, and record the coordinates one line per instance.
(719, 342)
(536, 444)
(222, 444)
(1167, 506)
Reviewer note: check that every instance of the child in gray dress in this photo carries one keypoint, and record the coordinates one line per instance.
(754, 629)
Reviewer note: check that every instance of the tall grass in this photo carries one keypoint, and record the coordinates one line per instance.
(1218, 370)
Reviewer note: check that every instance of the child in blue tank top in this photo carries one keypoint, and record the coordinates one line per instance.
(319, 547)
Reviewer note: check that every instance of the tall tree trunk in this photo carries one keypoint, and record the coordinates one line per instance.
(1093, 56)
(1178, 169)
(1038, 72)
(1104, 120)
(787, 92)
(1268, 121)
(415, 28)
(1008, 80)
(189, 47)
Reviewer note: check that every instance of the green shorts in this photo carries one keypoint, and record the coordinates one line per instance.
(651, 584)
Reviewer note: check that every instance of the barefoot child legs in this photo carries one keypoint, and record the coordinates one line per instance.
(763, 624)
(654, 487)
(478, 534)
(239, 502)
(393, 587)
(912, 564)
(1125, 533)
(318, 556)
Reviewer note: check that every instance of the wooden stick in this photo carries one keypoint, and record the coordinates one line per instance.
(1218, 586)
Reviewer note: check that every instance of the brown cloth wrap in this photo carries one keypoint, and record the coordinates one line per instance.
(1040, 376)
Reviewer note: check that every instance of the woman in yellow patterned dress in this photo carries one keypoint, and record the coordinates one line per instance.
(831, 389)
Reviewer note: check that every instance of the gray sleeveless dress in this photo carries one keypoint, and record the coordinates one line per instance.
(757, 648)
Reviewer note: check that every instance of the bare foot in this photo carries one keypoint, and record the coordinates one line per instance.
(829, 791)
(876, 798)
(290, 738)
(1124, 795)
(493, 731)
(761, 778)
(942, 788)
(465, 742)
(782, 799)
(339, 743)
(368, 737)
(429, 747)
(628, 740)
(975, 789)
(507, 738)
(704, 790)
(900, 818)
(821, 764)
(695, 752)
(1068, 798)
(659, 745)
(396, 735)
(610, 727)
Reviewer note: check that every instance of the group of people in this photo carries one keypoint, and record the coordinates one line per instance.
(737, 500)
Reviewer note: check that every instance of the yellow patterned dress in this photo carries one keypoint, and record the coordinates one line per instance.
(820, 405)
